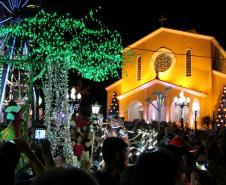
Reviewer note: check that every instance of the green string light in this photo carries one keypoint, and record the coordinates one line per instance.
(85, 45)
(57, 44)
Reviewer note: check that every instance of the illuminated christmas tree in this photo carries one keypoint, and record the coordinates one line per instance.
(114, 107)
(221, 113)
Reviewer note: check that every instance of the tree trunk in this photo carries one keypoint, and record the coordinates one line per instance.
(56, 111)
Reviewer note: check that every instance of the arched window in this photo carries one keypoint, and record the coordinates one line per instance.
(188, 62)
(139, 67)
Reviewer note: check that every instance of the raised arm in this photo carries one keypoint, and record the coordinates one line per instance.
(33, 159)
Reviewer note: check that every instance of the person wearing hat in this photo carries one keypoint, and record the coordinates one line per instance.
(184, 160)
(13, 118)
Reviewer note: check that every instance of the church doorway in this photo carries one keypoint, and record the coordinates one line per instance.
(156, 112)
(135, 110)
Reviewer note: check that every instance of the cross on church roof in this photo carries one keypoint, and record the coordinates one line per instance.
(162, 20)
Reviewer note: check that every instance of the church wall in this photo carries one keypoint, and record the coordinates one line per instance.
(124, 103)
(202, 78)
(218, 59)
(201, 66)
(130, 77)
(143, 95)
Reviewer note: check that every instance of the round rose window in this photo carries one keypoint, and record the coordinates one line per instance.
(162, 62)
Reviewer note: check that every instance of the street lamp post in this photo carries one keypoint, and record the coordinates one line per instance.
(195, 108)
(196, 120)
(95, 108)
(95, 112)
(182, 101)
(74, 101)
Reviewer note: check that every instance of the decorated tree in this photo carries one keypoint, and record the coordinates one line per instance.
(221, 113)
(55, 45)
(114, 107)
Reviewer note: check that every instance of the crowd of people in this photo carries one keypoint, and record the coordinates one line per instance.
(180, 157)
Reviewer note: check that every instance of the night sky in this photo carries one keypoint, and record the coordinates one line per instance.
(135, 19)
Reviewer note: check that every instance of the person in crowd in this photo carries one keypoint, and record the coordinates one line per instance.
(65, 176)
(12, 151)
(46, 154)
(127, 175)
(14, 119)
(178, 150)
(7, 169)
(78, 147)
(24, 147)
(215, 173)
(59, 161)
(155, 168)
(115, 155)
(199, 177)
(88, 141)
(10, 155)
(85, 162)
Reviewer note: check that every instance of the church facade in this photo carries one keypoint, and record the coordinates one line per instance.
(171, 75)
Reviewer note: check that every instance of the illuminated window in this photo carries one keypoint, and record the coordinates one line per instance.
(188, 62)
(139, 67)
(163, 62)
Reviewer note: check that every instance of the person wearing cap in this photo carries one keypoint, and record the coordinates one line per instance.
(184, 160)
(13, 117)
